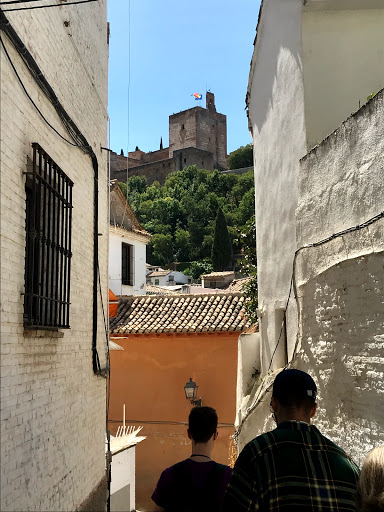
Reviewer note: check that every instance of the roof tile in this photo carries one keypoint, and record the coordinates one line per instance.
(181, 313)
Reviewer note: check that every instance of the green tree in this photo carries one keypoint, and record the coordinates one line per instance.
(241, 157)
(247, 239)
(162, 248)
(222, 247)
(182, 245)
(185, 208)
(198, 268)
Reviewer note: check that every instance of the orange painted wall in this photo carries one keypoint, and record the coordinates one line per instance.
(149, 378)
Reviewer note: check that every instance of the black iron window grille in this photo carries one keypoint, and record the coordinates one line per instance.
(127, 264)
(48, 244)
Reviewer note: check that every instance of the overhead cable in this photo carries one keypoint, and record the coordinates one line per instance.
(45, 6)
(358, 227)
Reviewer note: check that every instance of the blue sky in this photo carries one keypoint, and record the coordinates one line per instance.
(177, 48)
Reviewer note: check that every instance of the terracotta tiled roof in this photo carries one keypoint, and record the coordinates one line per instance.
(219, 274)
(237, 284)
(157, 290)
(159, 273)
(121, 214)
(180, 313)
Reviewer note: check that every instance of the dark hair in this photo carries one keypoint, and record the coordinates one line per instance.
(202, 423)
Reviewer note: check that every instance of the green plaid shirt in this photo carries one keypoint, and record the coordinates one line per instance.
(289, 469)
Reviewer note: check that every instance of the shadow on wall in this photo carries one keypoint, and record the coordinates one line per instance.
(342, 347)
(283, 44)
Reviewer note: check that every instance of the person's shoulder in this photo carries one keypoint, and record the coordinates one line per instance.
(258, 445)
(335, 448)
(325, 441)
(223, 468)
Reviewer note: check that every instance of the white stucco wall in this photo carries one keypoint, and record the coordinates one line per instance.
(116, 237)
(276, 110)
(248, 362)
(341, 283)
(336, 186)
(123, 482)
(179, 278)
(52, 404)
(343, 63)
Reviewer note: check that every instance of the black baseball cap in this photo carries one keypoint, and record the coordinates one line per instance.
(294, 383)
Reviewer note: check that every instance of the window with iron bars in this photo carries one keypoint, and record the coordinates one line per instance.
(48, 244)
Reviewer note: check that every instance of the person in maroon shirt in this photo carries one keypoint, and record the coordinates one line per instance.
(196, 484)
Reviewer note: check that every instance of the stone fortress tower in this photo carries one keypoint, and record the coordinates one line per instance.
(197, 136)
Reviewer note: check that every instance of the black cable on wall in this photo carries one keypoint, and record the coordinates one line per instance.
(80, 141)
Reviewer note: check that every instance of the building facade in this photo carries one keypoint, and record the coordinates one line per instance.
(197, 136)
(168, 339)
(306, 79)
(168, 278)
(127, 247)
(54, 204)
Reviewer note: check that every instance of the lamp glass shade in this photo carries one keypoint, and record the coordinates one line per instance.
(190, 389)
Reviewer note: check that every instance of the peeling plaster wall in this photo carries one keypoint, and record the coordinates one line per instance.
(337, 185)
(341, 283)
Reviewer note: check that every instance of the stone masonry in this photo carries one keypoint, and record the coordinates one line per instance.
(197, 136)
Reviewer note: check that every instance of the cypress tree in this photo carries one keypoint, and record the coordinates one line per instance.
(222, 246)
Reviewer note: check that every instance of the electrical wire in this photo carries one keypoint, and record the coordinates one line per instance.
(80, 141)
(164, 422)
(46, 6)
(20, 2)
(30, 98)
(128, 87)
(294, 287)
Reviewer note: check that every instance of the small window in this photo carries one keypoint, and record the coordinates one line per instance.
(171, 279)
(182, 127)
(48, 224)
(157, 282)
(185, 160)
(127, 264)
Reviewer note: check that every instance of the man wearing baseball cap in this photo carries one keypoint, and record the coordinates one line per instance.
(294, 467)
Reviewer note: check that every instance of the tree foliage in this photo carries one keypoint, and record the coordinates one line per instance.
(247, 239)
(222, 246)
(241, 157)
(198, 268)
(183, 211)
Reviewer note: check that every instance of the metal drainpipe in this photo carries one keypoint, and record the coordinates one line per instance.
(83, 144)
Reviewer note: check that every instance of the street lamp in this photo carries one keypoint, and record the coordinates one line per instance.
(190, 389)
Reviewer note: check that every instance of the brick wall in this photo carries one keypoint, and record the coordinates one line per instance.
(52, 405)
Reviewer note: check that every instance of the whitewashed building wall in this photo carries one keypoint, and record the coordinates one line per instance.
(286, 117)
(341, 282)
(139, 242)
(52, 404)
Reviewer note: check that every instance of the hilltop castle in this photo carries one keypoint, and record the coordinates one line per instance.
(196, 136)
